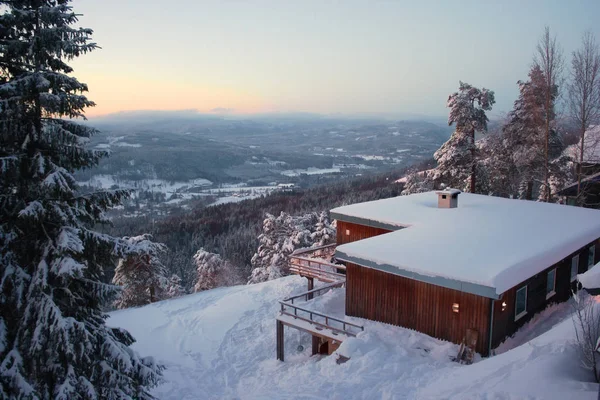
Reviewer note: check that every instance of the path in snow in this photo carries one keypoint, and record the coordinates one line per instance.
(221, 344)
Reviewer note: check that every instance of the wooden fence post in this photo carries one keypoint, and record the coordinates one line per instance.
(279, 340)
(315, 345)
(311, 286)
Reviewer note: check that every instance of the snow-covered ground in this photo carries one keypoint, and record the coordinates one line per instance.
(310, 171)
(221, 344)
(188, 190)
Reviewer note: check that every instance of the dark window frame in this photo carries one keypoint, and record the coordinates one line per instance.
(519, 315)
(552, 292)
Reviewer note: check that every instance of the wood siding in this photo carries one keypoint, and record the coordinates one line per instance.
(356, 232)
(427, 308)
(504, 321)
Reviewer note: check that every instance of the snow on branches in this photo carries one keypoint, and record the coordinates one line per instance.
(212, 271)
(281, 236)
(140, 274)
(53, 339)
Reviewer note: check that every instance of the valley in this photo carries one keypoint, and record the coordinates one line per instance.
(175, 162)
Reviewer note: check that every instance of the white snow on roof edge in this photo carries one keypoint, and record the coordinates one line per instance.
(591, 278)
(488, 241)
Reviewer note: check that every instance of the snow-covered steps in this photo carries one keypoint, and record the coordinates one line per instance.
(327, 331)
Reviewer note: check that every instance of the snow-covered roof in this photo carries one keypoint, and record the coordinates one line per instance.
(591, 148)
(591, 278)
(485, 246)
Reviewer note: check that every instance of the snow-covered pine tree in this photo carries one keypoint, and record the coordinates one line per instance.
(418, 182)
(457, 158)
(54, 343)
(211, 268)
(281, 236)
(174, 287)
(141, 274)
(324, 233)
(502, 175)
(524, 135)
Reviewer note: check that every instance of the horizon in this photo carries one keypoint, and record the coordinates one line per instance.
(381, 60)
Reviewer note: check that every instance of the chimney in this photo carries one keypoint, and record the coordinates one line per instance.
(448, 198)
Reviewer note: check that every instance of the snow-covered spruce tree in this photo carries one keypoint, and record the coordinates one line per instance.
(141, 274)
(281, 236)
(212, 270)
(457, 158)
(54, 343)
(418, 182)
(174, 287)
(324, 233)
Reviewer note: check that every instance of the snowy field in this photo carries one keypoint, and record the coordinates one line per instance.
(189, 190)
(221, 344)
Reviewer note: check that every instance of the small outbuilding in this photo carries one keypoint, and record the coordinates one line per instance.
(444, 263)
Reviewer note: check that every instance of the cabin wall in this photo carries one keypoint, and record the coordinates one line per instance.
(505, 322)
(427, 308)
(348, 232)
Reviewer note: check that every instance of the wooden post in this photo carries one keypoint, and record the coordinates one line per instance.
(311, 286)
(316, 341)
(279, 340)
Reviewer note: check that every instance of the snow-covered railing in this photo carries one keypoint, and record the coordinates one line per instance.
(311, 263)
(313, 293)
(321, 321)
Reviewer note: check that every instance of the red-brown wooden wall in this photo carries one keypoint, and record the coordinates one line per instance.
(356, 232)
(427, 308)
(504, 320)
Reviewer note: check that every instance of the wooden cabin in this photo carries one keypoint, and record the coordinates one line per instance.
(443, 262)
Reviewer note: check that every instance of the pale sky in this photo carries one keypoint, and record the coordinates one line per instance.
(348, 57)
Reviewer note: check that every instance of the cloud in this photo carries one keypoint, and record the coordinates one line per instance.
(222, 110)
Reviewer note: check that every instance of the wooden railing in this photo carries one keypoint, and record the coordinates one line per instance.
(311, 263)
(308, 295)
(318, 320)
(321, 321)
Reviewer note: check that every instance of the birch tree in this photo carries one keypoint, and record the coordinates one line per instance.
(549, 59)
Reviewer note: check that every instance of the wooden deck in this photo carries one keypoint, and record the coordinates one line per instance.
(312, 263)
(322, 327)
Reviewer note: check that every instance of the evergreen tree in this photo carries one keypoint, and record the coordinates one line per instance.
(174, 287)
(281, 236)
(524, 135)
(54, 343)
(324, 233)
(457, 158)
(418, 182)
(211, 269)
(141, 274)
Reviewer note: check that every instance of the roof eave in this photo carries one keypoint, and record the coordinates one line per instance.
(366, 222)
(466, 287)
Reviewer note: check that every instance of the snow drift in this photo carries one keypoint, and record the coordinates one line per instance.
(221, 344)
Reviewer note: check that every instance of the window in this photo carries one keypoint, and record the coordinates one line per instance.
(551, 284)
(347, 232)
(574, 267)
(521, 303)
(591, 256)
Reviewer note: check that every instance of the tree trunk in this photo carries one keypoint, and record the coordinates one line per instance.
(580, 166)
(529, 191)
(546, 169)
(473, 163)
